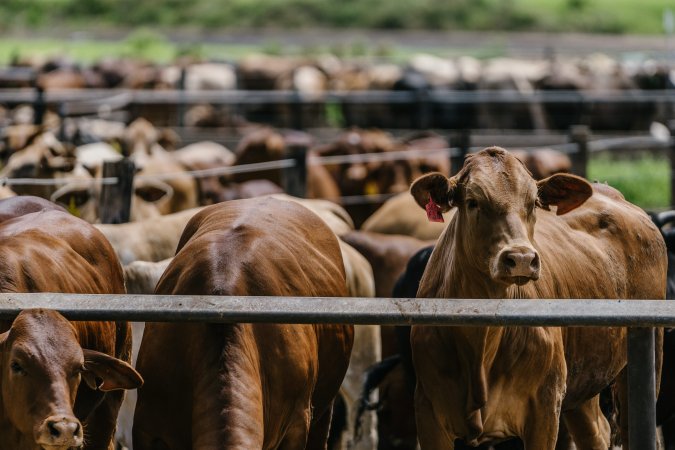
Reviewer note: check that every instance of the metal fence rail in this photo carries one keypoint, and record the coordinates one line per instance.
(638, 314)
(225, 97)
(385, 311)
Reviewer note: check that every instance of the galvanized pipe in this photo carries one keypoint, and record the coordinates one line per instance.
(386, 311)
(641, 389)
(390, 311)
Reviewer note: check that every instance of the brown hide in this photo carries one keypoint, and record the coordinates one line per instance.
(482, 384)
(245, 385)
(388, 256)
(36, 238)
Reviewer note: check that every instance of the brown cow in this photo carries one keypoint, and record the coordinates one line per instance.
(43, 357)
(266, 144)
(245, 385)
(481, 384)
(388, 255)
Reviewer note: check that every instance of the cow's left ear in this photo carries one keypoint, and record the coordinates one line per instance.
(437, 187)
(105, 373)
(566, 191)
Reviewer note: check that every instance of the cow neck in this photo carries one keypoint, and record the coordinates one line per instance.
(455, 275)
(457, 278)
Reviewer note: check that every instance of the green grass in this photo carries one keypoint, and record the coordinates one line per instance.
(621, 16)
(88, 50)
(154, 47)
(643, 179)
(612, 16)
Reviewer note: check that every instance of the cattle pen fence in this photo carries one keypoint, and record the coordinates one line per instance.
(641, 316)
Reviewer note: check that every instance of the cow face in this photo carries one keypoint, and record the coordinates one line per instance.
(41, 366)
(496, 198)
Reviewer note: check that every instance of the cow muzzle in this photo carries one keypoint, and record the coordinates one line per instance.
(60, 433)
(517, 265)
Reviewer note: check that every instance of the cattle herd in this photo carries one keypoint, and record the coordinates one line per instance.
(508, 224)
(312, 77)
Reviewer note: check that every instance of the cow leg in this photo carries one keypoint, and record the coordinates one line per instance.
(430, 434)
(318, 431)
(296, 436)
(588, 426)
(541, 431)
(564, 441)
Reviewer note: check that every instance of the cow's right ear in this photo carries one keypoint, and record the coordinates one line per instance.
(437, 187)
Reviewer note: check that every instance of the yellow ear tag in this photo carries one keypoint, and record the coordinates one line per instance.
(371, 188)
(72, 208)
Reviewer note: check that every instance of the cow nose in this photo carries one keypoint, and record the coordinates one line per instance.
(60, 431)
(518, 262)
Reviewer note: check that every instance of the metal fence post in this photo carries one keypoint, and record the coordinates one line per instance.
(295, 178)
(641, 389)
(181, 102)
(39, 106)
(297, 108)
(580, 134)
(115, 203)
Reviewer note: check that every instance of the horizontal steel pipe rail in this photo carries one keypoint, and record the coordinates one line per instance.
(176, 96)
(389, 311)
(386, 311)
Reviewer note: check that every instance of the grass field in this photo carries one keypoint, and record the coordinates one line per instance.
(622, 16)
(643, 179)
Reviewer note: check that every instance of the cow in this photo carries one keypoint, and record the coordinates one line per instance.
(62, 382)
(156, 238)
(265, 144)
(481, 384)
(388, 255)
(141, 277)
(395, 376)
(42, 157)
(249, 385)
(366, 351)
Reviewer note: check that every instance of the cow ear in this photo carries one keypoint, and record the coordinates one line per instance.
(105, 373)
(153, 191)
(563, 190)
(437, 187)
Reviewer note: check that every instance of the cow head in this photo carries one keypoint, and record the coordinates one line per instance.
(41, 366)
(496, 200)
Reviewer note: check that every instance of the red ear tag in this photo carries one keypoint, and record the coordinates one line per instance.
(433, 211)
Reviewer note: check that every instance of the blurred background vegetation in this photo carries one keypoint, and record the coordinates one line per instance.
(608, 16)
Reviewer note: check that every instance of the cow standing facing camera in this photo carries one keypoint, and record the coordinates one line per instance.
(486, 384)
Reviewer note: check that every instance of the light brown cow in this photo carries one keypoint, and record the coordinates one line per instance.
(43, 357)
(245, 385)
(482, 384)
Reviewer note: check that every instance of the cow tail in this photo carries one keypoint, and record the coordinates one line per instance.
(374, 376)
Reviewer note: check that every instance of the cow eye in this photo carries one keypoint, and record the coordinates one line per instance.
(77, 371)
(17, 369)
(471, 204)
